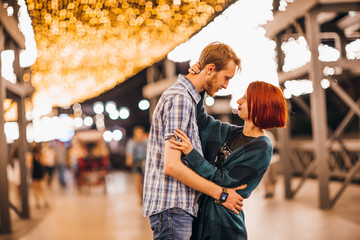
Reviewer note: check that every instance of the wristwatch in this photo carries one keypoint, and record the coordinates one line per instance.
(224, 195)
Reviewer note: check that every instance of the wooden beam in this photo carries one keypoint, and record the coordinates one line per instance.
(282, 19)
(344, 96)
(11, 26)
(348, 177)
(351, 144)
(18, 89)
(157, 88)
(344, 63)
(297, 73)
(337, 1)
(344, 122)
(348, 21)
(297, 9)
(339, 6)
(303, 105)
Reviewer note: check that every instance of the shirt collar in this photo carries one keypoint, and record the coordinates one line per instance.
(190, 87)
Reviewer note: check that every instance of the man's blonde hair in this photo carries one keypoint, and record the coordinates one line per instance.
(219, 54)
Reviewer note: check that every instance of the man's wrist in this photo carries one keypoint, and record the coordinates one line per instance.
(216, 192)
(223, 196)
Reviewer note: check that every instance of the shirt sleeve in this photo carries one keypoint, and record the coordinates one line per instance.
(129, 147)
(177, 112)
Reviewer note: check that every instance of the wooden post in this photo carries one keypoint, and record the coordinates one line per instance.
(284, 152)
(25, 213)
(5, 225)
(318, 110)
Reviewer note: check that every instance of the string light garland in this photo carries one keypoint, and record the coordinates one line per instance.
(86, 47)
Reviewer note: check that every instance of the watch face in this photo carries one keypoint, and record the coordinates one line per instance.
(223, 197)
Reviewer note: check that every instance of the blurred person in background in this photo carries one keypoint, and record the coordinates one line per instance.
(136, 155)
(48, 160)
(232, 155)
(77, 150)
(101, 150)
(38, 174)
(60, 158)
(13, 172)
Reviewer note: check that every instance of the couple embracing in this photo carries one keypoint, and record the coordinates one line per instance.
(198, 169)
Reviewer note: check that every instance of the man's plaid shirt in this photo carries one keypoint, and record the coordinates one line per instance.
(175, 109)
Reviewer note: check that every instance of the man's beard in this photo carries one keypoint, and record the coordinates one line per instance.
(209, 86)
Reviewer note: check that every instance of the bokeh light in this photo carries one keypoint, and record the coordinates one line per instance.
(209, 101)
(88, 121)
(117, 135)
(98, 107)
(124, 113)
(107, 136)
(110, 106)
(144, 104)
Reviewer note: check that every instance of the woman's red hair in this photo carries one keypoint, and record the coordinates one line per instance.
(267, 105)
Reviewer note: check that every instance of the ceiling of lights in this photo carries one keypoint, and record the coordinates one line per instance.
(86, 47)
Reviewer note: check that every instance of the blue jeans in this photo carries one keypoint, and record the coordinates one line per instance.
(173, 223)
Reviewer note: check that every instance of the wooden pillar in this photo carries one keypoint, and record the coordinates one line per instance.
(22, 136)
(318, 110)
(170, 68)
(284, 152)
(279, 57)
(5, 225)
(276, 4)
(25, 212)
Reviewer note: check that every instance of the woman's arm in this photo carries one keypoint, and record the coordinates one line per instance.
(236, 172)
(230, 175)
(176, 169)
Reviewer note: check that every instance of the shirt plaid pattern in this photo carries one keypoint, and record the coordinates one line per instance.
(176, 109)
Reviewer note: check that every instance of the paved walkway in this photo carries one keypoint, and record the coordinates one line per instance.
(93, 215)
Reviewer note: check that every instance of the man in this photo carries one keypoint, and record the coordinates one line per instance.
(170, 187)
(135, 157)
(60, 159)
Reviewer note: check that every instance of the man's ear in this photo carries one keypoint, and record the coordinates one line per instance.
(210, 68)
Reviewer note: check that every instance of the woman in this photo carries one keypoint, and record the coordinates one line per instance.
(38, 177)
(233, 156)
